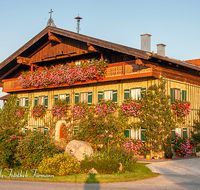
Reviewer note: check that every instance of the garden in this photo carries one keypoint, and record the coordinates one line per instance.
(102, 126)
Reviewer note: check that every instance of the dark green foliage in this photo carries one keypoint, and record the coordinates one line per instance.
(10, 126)
(103, 165)
(33, 148)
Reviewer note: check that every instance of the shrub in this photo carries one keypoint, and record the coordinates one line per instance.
(38, 111)
(33, 148)
(181, 146)
(103, 165)
(10, 126)
(198, 149)
(124, 157)
(60, 108)
(60, 164)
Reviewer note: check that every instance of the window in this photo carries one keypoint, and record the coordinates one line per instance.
(41, 100)
(62, 97)
(134, 93)
(22, 102)
(83, 97)
(127, 133)
(107, 95)
(178, 94)
(181, 131)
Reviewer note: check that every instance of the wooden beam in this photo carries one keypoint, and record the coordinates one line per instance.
(53, 38)
(91, 48)
(10, 71)
(23, 60)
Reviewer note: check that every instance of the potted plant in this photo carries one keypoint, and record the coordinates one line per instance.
(167, 149)
(198, 151)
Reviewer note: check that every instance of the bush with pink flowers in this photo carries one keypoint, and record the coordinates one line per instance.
(181, 108)
(181, 146)
(60, 108)
(38, 111)
(132, 107)
(105, 107)
(80, 110)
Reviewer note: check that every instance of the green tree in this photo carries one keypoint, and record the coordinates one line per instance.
(156, 116)
(11, 123)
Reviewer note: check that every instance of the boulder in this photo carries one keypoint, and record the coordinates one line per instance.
(79, 149)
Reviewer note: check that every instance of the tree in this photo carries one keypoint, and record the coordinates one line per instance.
(12, 119)
(156, 116)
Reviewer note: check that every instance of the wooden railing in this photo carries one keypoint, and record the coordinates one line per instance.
(113, 71)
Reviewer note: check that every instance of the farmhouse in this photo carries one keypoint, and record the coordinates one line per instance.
(129, 71)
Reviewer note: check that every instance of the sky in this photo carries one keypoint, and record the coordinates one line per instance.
(174, 23)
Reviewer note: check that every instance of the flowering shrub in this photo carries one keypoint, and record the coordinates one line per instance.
(33, 148)
(38, 111)
(19, 112)
(167, 148)
(181, 146)
(136, 146)
(181, 108)
(60, 108)
(63, 74)
(79, 110)
(132, 107)
(105, 107)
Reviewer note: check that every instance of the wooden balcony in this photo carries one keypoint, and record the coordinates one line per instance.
(115, 71)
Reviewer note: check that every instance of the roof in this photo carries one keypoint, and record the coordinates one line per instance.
(10, 64)
(4, 97)
(194, 61)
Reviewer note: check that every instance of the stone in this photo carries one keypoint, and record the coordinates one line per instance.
(197, 153)
(79, 149)
(93, 171)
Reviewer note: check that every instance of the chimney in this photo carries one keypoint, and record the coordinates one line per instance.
(161, 49)
(146, 42)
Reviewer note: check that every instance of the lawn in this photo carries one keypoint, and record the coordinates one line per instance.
(141, 172)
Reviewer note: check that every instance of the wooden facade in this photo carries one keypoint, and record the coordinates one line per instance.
(128, 69)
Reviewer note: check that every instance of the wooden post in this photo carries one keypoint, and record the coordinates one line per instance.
(101, 56)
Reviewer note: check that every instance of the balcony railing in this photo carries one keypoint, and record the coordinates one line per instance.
(114, 71)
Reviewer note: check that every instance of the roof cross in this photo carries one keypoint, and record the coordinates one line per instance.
(51, 13)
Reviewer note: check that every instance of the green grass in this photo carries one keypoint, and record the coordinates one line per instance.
(141, 172)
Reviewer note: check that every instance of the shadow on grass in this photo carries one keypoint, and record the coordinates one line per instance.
(95, 183)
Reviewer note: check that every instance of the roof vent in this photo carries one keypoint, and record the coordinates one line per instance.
(161, 49)
(146, 42)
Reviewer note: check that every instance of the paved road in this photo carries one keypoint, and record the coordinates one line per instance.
(178, 174)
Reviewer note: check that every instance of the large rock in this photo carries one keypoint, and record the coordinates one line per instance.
(79, 149)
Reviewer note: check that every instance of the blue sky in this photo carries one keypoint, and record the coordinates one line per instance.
(174, 23)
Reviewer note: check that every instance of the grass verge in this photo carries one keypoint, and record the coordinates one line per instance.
(141, 172)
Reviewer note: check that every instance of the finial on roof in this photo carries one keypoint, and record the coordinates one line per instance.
(50, 21)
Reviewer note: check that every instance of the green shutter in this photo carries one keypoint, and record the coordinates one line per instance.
(184, 95)
(185, 133)
(142, 94)
(143, 134)
(26, 102)
(18, 102)
(45, 130)
(89, 97)
(173, 133)
(115, 95)
(55, 98)
(46, 101)
(127, 133)
(35, 101)
(76, 98)
(75, 130)
(172, 95)
(100, 95)
(25, 130)
(126, 93)
(67, 98)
